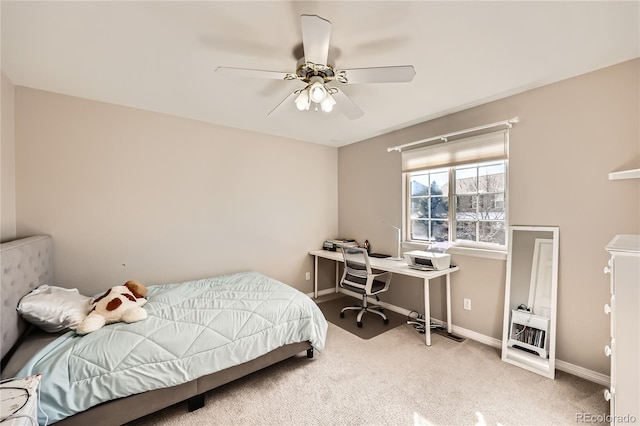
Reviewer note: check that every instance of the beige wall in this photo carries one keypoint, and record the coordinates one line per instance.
(134, 194)
(570, 136)
(7, 161)
(130, 194)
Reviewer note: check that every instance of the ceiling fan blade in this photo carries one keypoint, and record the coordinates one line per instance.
(251, 73)
(345, 105)
(288, 100)
(396, 74)
(316, 33)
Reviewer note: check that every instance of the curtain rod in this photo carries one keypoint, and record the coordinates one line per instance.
(509, 123)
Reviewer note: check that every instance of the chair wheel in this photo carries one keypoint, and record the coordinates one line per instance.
(359, 324)
(341, 314)
(386, 320)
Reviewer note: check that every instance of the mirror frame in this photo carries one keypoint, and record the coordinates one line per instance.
(518, 357)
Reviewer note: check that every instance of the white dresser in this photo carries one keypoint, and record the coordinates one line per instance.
(624, 309)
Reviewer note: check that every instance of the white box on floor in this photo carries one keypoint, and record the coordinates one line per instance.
(19, 401)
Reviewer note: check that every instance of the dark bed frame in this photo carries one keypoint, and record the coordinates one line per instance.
(26, 264)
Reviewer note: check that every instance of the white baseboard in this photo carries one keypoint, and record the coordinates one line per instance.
(470, 334)
(324, 292)
(576, 370)
(567, 367)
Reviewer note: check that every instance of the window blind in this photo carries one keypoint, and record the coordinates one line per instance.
(485, 147)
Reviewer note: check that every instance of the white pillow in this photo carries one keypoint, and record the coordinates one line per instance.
(54, 308)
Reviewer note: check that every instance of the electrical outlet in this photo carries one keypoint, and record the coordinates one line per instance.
(467, 304)
(307, 276)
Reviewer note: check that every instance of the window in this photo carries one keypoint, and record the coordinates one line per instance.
(480, 215)
(429, 205)
(457, 201)
(477, 213)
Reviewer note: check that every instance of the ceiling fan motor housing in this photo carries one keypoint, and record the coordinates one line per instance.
(306, 70)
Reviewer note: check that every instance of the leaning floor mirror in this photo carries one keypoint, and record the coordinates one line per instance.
(529, 335)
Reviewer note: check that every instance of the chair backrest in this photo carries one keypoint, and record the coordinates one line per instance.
(359, 274)
(357, 268)
(357, 260)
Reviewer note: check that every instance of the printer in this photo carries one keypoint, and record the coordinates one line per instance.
(427, 260)
(334, 245)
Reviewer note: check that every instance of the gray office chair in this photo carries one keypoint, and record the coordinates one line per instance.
(360, 278)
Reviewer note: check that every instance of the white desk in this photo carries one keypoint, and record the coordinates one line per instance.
(395, 267)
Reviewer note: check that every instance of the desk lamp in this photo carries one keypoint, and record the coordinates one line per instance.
(399, 241)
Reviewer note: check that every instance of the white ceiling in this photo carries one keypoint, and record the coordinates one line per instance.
(161, 56)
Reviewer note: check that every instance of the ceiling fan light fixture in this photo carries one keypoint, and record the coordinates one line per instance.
(317, 92)
(328, 103)
(302, 101)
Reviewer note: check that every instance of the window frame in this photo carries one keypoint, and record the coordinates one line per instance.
(452, 220)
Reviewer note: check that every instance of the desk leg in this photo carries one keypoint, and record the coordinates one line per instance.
(337, 277)
(315, 277)
(427, 313)
(449, 322)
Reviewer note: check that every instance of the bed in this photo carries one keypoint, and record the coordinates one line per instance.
(198, 335)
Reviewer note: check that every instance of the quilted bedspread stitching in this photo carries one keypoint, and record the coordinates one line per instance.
(158, 309)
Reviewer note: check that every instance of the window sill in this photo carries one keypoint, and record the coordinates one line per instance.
(462, 250)
(478, 252)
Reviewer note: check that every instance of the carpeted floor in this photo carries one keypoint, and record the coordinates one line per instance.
(372, 324)
(394, 379)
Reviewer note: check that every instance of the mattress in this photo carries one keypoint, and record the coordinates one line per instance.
(192, 329)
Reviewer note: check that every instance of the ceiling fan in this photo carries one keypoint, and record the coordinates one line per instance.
(313, 69)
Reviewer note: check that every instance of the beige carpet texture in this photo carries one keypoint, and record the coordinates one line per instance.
(394, 379)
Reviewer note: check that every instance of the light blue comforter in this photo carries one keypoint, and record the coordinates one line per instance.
(193, 329)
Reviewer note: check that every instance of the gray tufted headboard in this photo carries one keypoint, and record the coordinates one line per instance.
(26, 263)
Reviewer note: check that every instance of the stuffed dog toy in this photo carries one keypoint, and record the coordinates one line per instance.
(119, 303)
